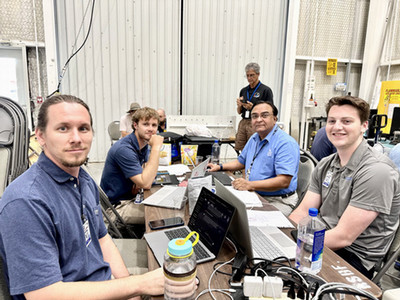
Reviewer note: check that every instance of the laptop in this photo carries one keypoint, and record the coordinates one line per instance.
(201, 171)
(168, 197)
(256, 242)
(211, 218)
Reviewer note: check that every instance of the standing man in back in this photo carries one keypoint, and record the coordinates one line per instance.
(125, 124)
(249, 95)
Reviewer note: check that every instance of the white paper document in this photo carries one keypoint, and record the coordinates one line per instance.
(167, 196)
(268, 218)
(176, 169)
(251, 199)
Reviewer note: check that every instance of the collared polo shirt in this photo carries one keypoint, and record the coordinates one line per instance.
(42, 239)
(369, 181)
(277, 154)
(124, 160)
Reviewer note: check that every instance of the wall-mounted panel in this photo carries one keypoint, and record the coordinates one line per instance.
(331, 28)
(17, 20)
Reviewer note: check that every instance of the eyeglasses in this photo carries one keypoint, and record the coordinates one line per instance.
(250, 75)
(263, 115)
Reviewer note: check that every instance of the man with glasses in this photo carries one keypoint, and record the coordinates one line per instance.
(270, 159)
(254, 92)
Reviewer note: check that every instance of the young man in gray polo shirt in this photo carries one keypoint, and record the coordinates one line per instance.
(356, 190)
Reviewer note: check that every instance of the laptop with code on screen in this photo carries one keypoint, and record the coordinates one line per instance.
(211, 219)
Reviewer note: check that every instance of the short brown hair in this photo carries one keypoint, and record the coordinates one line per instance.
(43, 117)
(145, 113)
(361, 105)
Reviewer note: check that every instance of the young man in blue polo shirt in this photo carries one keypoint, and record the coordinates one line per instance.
(129, 167)
(270, 159)
(53, 240)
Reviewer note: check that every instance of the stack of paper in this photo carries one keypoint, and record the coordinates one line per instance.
(251, 199)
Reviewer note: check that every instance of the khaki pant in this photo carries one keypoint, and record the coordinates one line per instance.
(245, 131)
(130, 212)
(285, 205)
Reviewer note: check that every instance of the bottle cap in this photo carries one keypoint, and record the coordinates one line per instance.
(216, 141)
(313, 212)
(182, 247)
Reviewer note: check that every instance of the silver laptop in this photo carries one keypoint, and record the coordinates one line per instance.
(256, 242)
(211, 218)
(168, 196)
(200, 170)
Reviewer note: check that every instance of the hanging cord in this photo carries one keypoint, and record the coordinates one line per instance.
(64, 69)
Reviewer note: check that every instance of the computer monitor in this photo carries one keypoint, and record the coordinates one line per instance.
(371, 129)
(395, 121)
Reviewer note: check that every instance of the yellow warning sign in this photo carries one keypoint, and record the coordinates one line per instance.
(389, 99)
(331, 66)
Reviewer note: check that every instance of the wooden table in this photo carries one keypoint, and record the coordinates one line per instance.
(334, 268)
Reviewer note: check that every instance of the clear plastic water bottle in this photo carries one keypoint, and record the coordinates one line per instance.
(215, 152)
(310, 243)
(180, 269)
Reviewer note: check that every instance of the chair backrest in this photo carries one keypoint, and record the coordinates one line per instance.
(391, 256)
(306, 166)
(111, 215)
(113, 131)
(4, 293)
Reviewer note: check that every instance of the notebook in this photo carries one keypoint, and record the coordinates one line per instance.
(257, 242)
(168, 197)
(211, 218)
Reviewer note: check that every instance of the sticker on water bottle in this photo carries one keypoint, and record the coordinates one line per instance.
(317, 251)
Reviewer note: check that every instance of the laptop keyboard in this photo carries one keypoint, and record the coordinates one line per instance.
(263, 246)
(182, 233)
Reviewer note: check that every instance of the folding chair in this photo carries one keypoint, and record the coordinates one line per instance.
(119, 223)
(391, 256)
(113, 131)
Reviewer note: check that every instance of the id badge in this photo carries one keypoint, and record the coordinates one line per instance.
(86, 230)
(247, 114)
(328, 179)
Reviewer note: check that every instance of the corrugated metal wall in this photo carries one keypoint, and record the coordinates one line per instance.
(133, 54)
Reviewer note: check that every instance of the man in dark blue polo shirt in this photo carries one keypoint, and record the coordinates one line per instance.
(53, 240)
(124, 173)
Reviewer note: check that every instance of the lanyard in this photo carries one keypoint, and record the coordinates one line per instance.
(252, 162)
(249, 99)
(256, 154)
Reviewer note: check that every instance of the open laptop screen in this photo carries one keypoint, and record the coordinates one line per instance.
(211, 218)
